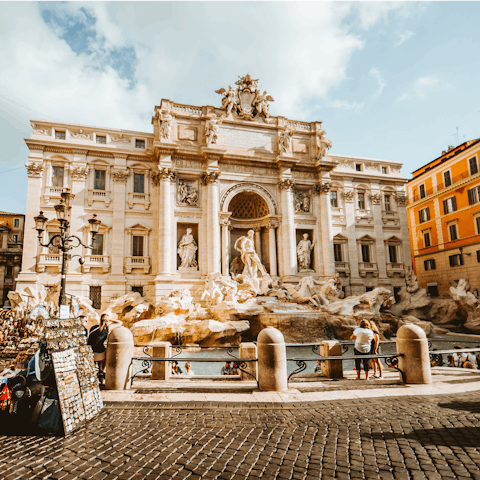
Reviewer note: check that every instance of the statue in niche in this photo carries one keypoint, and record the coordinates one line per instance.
(253, 264)
(187, 250)
(323, 144)
(187, 195)
(166, 126)
(285, 141)
(212, 129)
(304, 253)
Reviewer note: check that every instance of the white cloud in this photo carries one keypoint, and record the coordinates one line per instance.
(403, 97)
(403, 37)
(347, 105)
(381, 83)
(424, 83)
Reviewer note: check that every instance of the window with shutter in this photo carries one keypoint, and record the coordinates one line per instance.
(473, 165)
(453, 232)
(422, 191)
(137, 246)
(445, 207)
(478, 256)
(477, 221)
(427, 211)
(337, 252)
(447, 178)
(472, 196)
(426, 239)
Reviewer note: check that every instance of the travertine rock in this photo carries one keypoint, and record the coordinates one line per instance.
(231, 311)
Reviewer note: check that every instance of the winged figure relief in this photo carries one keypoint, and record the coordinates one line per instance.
(261, 103)
(229, 99)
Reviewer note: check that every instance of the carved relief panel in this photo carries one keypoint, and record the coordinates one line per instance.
(187, 194)
(303, 201)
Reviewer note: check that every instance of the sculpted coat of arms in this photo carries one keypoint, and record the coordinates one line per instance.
(246, 102)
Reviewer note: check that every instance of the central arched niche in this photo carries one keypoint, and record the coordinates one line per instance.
(248, 211)
(247, 205)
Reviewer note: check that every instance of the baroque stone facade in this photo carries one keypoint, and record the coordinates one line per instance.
(218, 172)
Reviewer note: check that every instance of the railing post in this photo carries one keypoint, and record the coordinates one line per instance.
(331, 368)
(415, 362)
(272, 361)
(161, 370)
(120, 348)
(248, 351)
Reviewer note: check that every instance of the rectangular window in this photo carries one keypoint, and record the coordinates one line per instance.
(97, 244)
(388, 205)
(432, 290)
(455, 260)
(16, 222)
(384, 170)
(424, 215)
(138, 290)
(334, 198)
(101, 139)
(422, 191)
(449, 205)
(392, 253)
(139, 143)
(478, 256)
(96, 296)
(337, 252)
(99, 182)
(447, 178)
(426, 240)
(477, 222)
(366, 253)
(358, 167)
(361, 201)
(472, 162)
(452, 229)
(429, 264)
(137, 250)
(139, 183)
(9, 271)
(54, 246)
(15, 238)
(57, 176)
(59, 135)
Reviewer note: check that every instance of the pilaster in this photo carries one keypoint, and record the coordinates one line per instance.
(289, 250)
(376, 200)
(349, 205)
(323, 189)
(401, 201)
(213, 225)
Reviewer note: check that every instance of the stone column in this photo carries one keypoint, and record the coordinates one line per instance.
(272, 247)
(328, 257)
(401, 201)
(382, 256)
(165, 230)
(225, 247)
(28, 274)
(258, 242)
(117, 280)
(289, 248)
(213, 225)
(356, 283)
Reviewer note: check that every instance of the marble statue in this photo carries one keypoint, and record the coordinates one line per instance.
(212, 290)
(261, 103)
(253, 264)
(304, 253)
(229, 99)
(285, 141)
(187, 249)
(212, 129)
(166, 127)
(187, 195)
(305, 291)
(323, 144)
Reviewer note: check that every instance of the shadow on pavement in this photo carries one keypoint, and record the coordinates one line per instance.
(472, 407)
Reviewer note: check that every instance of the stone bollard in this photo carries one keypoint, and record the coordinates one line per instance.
(120, 349)
(248, 350)
(272, 361)
(415, 364)
(331, 368)
(161, 370)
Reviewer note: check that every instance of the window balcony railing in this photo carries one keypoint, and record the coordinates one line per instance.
(49, 260)
(140, 199)
(441, 186)
(395, 269)
(367, 267)
(99, 196)
(137, 262)
(96, 261)
(342, 267)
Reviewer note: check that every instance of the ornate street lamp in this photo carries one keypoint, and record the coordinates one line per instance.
(64, 240)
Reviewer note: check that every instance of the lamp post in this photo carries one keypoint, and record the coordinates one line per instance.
(64, 241)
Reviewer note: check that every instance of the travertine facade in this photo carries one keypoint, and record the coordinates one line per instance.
(218, 172)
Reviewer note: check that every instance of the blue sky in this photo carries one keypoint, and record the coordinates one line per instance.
(388, 80)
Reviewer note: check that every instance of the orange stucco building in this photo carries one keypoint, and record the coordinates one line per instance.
(444, 219)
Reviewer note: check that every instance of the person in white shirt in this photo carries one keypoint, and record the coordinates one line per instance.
(188, 369)
(363, 337)
(469, 361)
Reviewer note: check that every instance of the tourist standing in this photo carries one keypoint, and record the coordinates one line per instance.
(363, 337)
(374, 350)
(227, 369)
(188, 369)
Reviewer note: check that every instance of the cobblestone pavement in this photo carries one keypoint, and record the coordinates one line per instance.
(396, 438)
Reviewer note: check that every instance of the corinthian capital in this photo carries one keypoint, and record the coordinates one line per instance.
(323, 187)
(162, 173)
(120, 175)
(79, 173)
(34, 169)
(401, 199)
(210, 177)
(349, 195)
(286, 184)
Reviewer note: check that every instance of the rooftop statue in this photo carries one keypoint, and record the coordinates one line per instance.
(247, 102)
(212, 129)
(323, 144)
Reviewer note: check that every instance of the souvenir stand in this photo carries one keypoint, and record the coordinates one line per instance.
(75, 371)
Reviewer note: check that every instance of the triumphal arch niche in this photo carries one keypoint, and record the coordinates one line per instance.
(245, 170)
